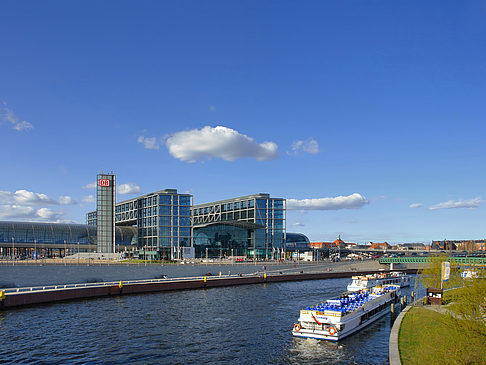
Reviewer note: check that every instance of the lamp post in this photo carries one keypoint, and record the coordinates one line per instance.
(78, 253)
(64, 252)
(35, 250)
(13, 251)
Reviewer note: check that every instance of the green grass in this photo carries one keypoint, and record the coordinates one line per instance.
(428, 337)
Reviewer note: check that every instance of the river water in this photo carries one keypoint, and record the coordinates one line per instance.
(248, 324)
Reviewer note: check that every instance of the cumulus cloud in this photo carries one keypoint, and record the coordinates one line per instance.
(129, 188)
(66, 200)
(89, 199)
(12, 211)
(24, 197)
(450, 204)
(416, 205)
(27, 205)
(218, 142)
(17, 124)
(309, 146)
(91, 185)
(353, 201)
(150, 143)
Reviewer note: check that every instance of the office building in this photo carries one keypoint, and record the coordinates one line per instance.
(252, 226)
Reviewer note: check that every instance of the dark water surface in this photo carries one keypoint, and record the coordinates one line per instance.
(248, 324)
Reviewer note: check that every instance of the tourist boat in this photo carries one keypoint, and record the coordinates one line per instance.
(369, 281)
(338, 318)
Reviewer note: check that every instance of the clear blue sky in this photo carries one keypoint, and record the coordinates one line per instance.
(316, 100)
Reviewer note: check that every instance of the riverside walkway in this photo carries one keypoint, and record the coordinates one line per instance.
(16, 297)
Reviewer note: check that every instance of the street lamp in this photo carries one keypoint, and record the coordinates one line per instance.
(35, 250)
(13, 251)
(64, 252)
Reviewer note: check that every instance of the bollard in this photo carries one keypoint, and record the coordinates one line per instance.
(265, 276)
(405, 300)
(412, 297)
(2, 298)
(392, 308)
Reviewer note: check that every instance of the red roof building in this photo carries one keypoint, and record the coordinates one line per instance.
(380, 245)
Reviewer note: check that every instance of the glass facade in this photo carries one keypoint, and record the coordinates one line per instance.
(26, 236)
(162, 220)
(105, 208)
(221, 240)
(265, 239)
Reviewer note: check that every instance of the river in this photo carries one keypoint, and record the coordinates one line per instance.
(248, 324)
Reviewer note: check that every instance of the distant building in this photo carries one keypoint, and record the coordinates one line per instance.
(411, 246)
(296, 242)
(380, 245)
(339, 243)
(461, 245)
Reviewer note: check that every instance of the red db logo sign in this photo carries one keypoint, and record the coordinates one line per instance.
(104, 182)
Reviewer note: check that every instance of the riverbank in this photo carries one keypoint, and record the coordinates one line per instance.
(436, 334)
(60, 292)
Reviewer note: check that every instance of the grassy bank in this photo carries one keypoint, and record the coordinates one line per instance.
(429, 337)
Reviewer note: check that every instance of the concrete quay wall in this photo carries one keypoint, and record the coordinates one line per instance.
(69, 292)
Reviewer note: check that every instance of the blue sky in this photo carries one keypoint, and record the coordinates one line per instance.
(352, 110)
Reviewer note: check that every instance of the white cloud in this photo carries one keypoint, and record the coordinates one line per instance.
(416, 205)
(89, 199)
(310, 146)
(470, 204)
(129, 188)
(353, 201)
(30, 206)
(17, 124)
(66, 200)
(299, 224)
(45, 213)
(12, 211)
(24, 198)
(218, 142)
(91, 185)
(150, 143)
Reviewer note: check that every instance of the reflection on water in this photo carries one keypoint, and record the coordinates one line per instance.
(248, 324)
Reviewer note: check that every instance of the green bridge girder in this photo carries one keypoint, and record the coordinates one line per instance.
(414, 259)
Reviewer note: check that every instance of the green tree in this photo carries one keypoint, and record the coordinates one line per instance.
(430, 276)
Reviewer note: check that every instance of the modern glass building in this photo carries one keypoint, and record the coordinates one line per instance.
(49, 239)
(296, 242)
(252, 226)
(162, 220)
(105, 205)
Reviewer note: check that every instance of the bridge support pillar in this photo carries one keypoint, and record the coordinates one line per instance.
(391, 265)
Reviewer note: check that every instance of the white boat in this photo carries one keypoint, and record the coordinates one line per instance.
(336, 319)
(369, 281)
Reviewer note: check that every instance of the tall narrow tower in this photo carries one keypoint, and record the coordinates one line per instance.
(105, 212)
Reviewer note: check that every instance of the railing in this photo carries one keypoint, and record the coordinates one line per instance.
(413, 259)
(116, 283)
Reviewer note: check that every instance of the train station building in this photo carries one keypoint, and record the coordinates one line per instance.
(164, 224)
